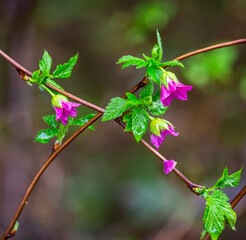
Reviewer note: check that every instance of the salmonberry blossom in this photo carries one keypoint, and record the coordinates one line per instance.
(64, 108)
(169, 166)
(172, 88)
(159, 129)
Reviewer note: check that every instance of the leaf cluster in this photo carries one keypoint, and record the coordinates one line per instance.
(43, 75)
(218, 210)
(136, 110)
(45, 135)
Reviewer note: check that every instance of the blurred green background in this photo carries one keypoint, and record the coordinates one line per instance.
(105, 185)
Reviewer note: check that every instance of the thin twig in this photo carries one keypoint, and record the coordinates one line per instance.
(22, 70)
(234, 202)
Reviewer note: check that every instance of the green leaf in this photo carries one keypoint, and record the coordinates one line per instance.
(65, 70)
(35, 75)
(203, 234)
(132, 100)
(157, 108)
(228, 180)
(147, 91)
(217, 210)
(51, 120)
(42, 78)
(140, 119)
(82, 121)
(128, 119)
(160, 51)
(231, 219)
(172, 63)
(154, 74)
(46, 62)
(45, 135)
(115, 108)
(131, 61)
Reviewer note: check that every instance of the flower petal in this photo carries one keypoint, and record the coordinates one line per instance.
(169, 166)
(64, 118)
(157, 141)
(58, 112)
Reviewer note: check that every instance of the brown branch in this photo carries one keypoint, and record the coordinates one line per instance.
(234, 202)
(145, 81)
(40, 172)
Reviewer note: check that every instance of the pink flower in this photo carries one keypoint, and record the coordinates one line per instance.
(169, 166)
(64, 108)
(175, 90)
(157, 140)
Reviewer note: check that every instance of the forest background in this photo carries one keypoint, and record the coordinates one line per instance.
(105, 185)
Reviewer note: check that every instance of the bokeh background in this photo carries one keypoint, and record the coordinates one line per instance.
(105, 185)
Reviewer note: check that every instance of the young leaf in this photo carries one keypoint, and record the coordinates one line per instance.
(128, 119)
(45, 135)
(35, 75)
(228, 180)
(157, 108)
(216, 212)
(82, 121)
(160, 52)
(172, 63)
(65, 70)
(130, 61)
(46, 62)
(154, 74)
(140, 119)
(147, 91)
(51, 120)
(132, 100)
(115, 108)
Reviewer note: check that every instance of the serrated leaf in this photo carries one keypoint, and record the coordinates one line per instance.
(157, 108)
(115, 108)
(45, 135)
(35, 75)
(231, 219)
(82, 121)
(65, 70)
(132, 61)
(147, 91)
(46, 62)
(216, 212)
(140, 119)
(128, 119)
(42, 78)
(51, 120)
(154, 74)
(160, 51)
(228, 180)
(132, 100)
(172, 63)
(147, 58)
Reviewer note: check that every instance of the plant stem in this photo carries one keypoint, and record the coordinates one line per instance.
(41, 171)
(234, 202)
(47, 89)
(144, 81)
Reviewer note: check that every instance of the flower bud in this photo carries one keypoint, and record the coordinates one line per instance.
(164, 79)
(157, 125)
(56, 100)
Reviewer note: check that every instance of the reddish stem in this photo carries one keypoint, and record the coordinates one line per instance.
(24, 72)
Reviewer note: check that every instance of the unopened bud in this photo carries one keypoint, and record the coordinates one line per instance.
(56, 100)
(157, 125)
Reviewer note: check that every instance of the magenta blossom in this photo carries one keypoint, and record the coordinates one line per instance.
(169, 166)
(64, 108)
(175, 90)
(157, 140)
